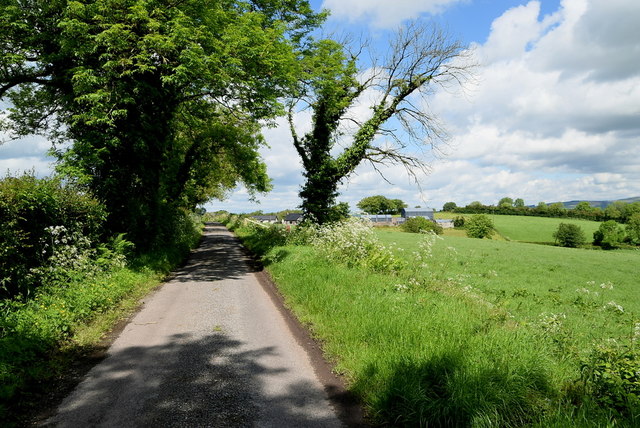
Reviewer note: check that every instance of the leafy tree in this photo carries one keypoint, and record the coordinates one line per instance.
(419, 59)
(162, 100)
(458, 222)
(421, 224)
(583, 206)
(542, 207)
(374, 204)
(556, 210)
(569, 235)
(340, 211)
(381, 205)
(609, 235)
(505, 202)
(398, 205)
(449, 206)
(518, 203)
(476, 206)
(615, 211)
(479, 226)
(633, 229)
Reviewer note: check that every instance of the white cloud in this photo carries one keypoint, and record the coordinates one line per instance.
(40, 165)
(556, 105)
(384, 13)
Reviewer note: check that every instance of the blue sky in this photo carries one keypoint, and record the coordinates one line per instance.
(552, 114)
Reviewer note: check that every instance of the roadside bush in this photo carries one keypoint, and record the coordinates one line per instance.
(611, 376)
(353, 242)
(261, 238)
(569, 235)
(420, 225)
(479, 226)
(30, 210)
(609, 235)
(301, 234)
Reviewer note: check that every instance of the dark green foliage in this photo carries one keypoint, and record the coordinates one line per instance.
(611, 377)
(458, 222)
(569, 235)
(449, 206)
(340, 211)
(609, 235)
(28, 206)
(479, 226)
(163, 101)
(421, 224)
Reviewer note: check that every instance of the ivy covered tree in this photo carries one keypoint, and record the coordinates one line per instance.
(420, 58)
(162, 101)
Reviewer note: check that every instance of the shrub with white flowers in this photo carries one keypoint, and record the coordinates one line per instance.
(353, 242)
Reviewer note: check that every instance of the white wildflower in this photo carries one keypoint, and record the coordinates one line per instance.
(401, 287)
(613, 306)
(606, 285)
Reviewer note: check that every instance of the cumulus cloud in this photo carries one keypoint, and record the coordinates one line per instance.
(558, 96)
(384, 13)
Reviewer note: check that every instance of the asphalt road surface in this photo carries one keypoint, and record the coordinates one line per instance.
(208, 349)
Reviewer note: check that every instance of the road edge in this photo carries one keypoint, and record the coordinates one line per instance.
(346, 404)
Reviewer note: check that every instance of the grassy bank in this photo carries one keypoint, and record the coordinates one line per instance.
(459, 335)
(43, 334)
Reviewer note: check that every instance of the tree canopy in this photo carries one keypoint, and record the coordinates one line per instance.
(381, 205)
(162, 101)
(419, 59)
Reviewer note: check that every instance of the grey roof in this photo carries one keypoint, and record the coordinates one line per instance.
(378, 217)
(415, 212)
(293, 217)
(265, 217)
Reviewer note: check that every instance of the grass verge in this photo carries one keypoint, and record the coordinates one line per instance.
(420, 348)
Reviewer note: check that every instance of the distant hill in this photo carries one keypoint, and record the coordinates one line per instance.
(600, 204)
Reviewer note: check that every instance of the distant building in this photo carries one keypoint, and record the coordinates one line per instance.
(379, 218)
(445, 223)
(417, 212)
(266, 218)
(292, 219)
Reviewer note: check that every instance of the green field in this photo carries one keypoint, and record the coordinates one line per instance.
(532, 229)
(529, 280)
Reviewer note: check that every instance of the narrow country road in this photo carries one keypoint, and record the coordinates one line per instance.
(208, 349)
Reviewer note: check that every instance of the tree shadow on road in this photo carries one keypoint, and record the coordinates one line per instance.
(205, 382)
(219, 256)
